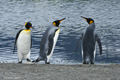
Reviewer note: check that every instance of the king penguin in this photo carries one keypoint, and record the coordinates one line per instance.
(88, 42)
(48, 42)
(23, 43)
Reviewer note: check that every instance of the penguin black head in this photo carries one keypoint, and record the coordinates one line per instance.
(28, 25)
(89, 20)
(57, 22)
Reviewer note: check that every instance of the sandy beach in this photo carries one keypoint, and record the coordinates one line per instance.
(14, 71)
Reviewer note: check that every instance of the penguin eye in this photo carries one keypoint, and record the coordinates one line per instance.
(90, 22)
(54, 23)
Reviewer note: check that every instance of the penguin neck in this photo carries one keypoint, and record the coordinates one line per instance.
(92, 25)
(27, 30)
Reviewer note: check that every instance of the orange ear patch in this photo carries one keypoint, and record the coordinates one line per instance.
(54, 23)
(25, 23)
(91, 22)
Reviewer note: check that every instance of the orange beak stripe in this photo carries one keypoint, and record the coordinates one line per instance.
(61, 20)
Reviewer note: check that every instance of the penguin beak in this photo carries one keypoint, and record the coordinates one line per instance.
(31, 27)
(84, 18)
(62, 20)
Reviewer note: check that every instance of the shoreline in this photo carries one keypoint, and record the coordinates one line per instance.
(14, 71)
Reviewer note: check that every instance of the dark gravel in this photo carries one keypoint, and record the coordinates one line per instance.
(14, 71)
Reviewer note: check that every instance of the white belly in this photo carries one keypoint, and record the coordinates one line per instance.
(95, 51)
(23, 43)
(55, 41)
(82, 50)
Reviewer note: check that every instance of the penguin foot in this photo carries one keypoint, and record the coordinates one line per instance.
(20, 62)
(37, 60)
(47, 63)
(33, 61)
(87, 62)
(92, 62)
(28, 60)
(84, 62)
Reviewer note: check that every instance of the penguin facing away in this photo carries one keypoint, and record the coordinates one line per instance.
(88, 43)
(23, 43)
(48, 42)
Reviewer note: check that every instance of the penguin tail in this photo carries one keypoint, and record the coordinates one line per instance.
(87, 60)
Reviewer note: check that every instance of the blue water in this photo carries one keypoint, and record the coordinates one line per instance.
(41, 13)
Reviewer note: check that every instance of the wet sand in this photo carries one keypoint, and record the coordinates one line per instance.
(14, 71)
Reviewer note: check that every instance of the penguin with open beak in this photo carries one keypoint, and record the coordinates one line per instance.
(88, 42)
(23, 42)
(48, 42)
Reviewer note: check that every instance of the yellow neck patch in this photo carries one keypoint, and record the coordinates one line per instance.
(91, 22)
(26, 31)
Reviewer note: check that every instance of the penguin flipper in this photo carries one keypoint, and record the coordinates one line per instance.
(51, 42)
(78, 42)
(16, 40)
(99, 44)
(31, 43)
